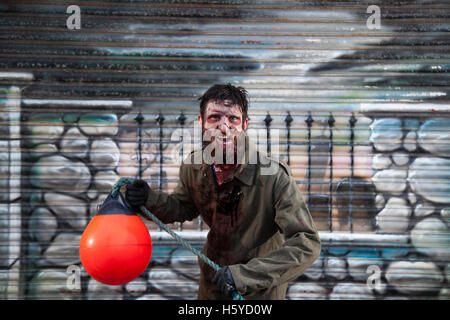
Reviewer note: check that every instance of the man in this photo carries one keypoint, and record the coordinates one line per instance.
(261, 232)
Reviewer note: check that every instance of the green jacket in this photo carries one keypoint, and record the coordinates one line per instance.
(259, 225)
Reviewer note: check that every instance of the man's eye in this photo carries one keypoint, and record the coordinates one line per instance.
(233, 118)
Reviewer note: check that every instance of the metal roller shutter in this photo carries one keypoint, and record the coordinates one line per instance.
(359, 113)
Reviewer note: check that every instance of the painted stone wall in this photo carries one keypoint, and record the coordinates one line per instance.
(10, 193)
(70, 164)
(405, 257)
(412, 181)
(4, 195)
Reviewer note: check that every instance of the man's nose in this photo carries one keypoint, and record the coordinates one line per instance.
(224, 126)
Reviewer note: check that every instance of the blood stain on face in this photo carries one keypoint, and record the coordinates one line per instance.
(223, 124)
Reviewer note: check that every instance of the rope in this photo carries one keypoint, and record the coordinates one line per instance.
(124, 181)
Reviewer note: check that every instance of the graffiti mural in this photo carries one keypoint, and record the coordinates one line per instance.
(358, 110)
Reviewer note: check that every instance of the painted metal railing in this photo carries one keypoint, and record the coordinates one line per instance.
(313, 199)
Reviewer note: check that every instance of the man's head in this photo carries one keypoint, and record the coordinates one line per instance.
(223, 115)
(227, 95)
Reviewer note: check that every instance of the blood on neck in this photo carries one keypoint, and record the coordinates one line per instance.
(223, 171)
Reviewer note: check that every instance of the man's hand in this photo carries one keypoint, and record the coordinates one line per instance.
(137, 194)
(224, 281)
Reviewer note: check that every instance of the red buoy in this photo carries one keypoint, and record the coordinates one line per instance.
(115, 247)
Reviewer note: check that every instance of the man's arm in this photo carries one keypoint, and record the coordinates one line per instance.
(300, 249)
(174, 207)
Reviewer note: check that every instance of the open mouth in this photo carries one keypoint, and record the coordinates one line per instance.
(225, 139)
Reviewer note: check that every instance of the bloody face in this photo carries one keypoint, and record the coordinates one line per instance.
(223, 122)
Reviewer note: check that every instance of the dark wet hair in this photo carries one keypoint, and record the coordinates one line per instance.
(222, 92)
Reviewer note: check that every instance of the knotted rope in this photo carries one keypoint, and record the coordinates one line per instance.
(124, 181)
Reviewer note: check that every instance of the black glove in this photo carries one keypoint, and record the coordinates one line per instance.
(224, 281)
(137, 194)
